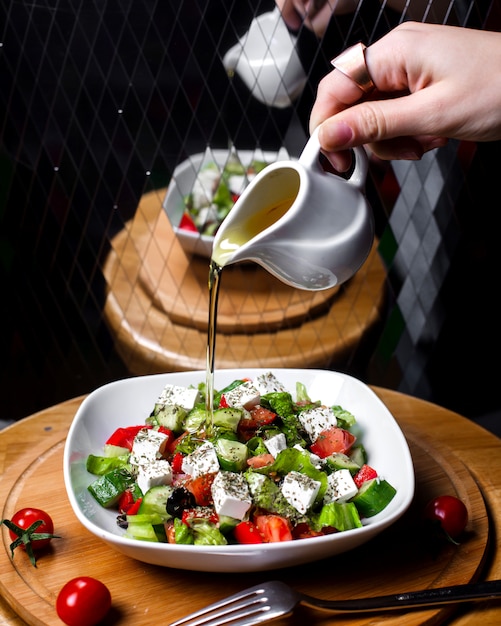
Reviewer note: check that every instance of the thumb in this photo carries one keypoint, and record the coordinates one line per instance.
(378, 120)
(398, 128)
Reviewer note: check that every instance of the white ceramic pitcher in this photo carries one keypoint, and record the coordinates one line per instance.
(266, 60)
(310, 228)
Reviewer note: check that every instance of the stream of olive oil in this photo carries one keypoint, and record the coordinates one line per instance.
(214, 279)
(236, 237)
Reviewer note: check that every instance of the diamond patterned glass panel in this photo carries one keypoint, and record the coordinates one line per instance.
(100, 101)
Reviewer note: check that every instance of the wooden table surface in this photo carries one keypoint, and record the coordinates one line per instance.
(157, 306)
(449, 451)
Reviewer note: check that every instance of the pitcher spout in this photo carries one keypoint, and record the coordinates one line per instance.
(230, 59)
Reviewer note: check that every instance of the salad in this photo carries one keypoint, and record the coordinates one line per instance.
(214, 193)
(264, 467)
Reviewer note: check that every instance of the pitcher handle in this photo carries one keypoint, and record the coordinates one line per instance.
(309, 159)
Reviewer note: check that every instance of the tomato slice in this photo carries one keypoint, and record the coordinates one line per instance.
(334, 439)
(199, 513)
(259, 416)
(200, 487)
(366, 472)
(255, 418)
(172, 445)
(177, 463)
(247, 532)
(170, 531)
(124, 437)
(304, 531)
(223, 404)
(260, 460)
(168, 433)
(187, 223)
(126, 501)
(133, 510)
(273, 528)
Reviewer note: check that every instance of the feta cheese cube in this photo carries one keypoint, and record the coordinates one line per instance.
(206, 215)
(204, 187)
(237, 183)
(186, 397)
(153, 474)
(300, 490)
(276, 444)
(245, 395)
(147, 446)
(203, 460)
(315, 420)
(231, 496)
(340, 487)
(268, 383)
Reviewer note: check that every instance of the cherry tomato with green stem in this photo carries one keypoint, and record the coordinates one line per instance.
(31, 529)
(83, 601)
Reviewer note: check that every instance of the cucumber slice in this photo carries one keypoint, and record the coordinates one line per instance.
(358, 454)
(170, 416)
(338, 460)
(107, 489)
(195, 419)
(227, 523)
(232, 455)
(373, 496)
(100, 465)
(144, 531)
(111, 450)
(155, 502)
(227, 418)
(145, 518)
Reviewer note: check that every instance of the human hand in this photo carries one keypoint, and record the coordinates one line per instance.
(314, 14)
(433, 82)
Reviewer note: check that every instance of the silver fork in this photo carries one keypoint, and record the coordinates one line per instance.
(275, 599)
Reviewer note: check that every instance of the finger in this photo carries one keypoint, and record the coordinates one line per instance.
(335, 93)
(406, 148)
(416, 115)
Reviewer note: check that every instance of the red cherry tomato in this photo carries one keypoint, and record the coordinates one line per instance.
(83, 601)
(31, 529)
(24, 518)
(449, 512)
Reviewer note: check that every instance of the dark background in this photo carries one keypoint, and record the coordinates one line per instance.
(100, 100)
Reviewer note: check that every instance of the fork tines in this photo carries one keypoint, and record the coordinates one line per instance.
(244, 608)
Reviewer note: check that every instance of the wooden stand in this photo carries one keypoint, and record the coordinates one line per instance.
(157, 306)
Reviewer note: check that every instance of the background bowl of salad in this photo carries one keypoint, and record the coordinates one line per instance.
(204, 188)
(131, 402)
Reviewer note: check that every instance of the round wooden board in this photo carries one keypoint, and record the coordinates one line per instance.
(401, 559)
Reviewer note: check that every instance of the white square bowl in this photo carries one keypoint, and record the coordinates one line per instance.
(130, 401)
